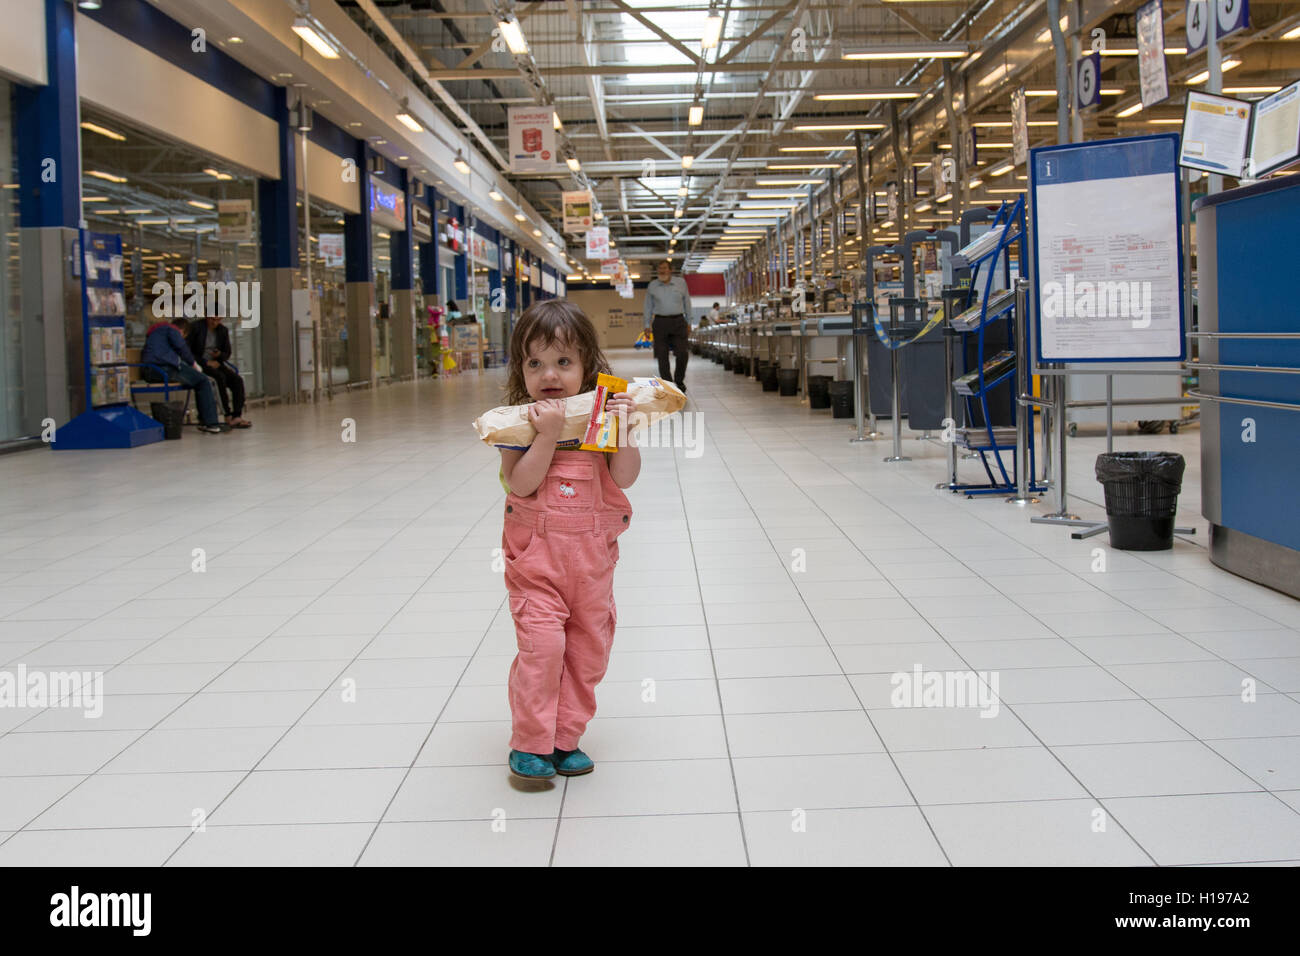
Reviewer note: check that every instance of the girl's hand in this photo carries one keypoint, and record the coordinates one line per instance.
(622, 405)
(547, 416)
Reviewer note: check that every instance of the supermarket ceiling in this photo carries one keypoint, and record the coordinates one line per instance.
(698, 117)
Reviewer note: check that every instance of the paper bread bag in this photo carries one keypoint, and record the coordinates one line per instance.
(508, 425)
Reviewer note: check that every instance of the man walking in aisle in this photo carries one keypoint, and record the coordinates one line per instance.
(667, 316)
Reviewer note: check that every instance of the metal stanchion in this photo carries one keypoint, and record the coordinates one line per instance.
(896, 391)
(859, 393)
(1024, 410)
(1110, 414)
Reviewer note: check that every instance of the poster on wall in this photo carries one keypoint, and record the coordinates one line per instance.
(1153, 77)
(1216, 130)
(614, 318)
(234, 219)
(331, 249)
(577, 211)
(598, 242)
(535, 274)
(532, 140)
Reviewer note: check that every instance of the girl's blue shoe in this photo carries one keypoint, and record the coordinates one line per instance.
(531, 766)
(572, 763)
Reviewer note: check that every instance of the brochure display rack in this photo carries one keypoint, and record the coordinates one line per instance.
(109, 421)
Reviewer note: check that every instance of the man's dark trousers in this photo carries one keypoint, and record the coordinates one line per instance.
(672, 332)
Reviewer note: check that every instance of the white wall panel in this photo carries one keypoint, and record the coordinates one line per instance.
(22, 41)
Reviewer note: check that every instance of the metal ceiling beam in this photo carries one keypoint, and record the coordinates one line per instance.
(757, 32)
(627, 69)
(656, 29)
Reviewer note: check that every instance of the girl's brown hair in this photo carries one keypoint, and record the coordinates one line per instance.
(547, 323)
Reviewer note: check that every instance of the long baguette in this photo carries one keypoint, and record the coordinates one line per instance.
(508, 427)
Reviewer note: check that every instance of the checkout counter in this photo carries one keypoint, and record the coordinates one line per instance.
(1249, 379)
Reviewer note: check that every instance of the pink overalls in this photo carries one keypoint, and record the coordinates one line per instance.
(560, 550)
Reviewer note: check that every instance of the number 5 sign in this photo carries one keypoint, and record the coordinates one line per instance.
(1087, 81)
(1233, 15)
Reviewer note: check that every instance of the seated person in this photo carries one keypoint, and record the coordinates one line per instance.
(164, 345)
(210, 341)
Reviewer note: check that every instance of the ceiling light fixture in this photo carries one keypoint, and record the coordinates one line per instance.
(826, 127)
(513, 34)
(951, 51)
(687, 160)
(199, 204)
(496, 195)
(803, 165)
(712, 31)
(104, 131)
(572, 163)
(555, 120)
(460, 164)
(107, 176)
(1229, 64)
(409, 121)
(1131, 110)
(307, 32)
(521, 217)
(787, 182)
(695, 116)
(217, 174)
(878, 95)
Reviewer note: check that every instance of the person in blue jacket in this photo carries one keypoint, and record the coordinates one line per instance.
(164, 345)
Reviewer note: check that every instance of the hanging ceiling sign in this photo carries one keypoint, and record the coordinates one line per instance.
(331, 249)
(387, 205)
(577, 211)
(1153, 77)
(1232, 15)
(1019, 128)
(234, 219)
(532, 140)
(598, 242)
(1087, 81)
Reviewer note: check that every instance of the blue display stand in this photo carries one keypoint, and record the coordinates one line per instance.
(109, 421)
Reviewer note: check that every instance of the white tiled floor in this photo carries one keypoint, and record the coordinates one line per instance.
(331, 690)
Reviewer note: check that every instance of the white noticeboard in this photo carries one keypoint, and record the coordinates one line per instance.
(577, 211)
(1215, 133)
(1108, 251)
(1275, 138)
(532, 140)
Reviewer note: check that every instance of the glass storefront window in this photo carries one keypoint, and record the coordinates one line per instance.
(328, 280)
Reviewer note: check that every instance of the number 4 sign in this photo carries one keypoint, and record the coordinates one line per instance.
(1232, 15)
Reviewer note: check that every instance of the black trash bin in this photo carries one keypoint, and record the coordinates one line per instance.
(788, 381)
(171, 415)
(770, 377)
(819, 391)
(841, 394)
(741, 365)
(1141, 497)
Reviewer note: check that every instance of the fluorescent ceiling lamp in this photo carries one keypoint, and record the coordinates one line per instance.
(1292, 34)
(823, 127)
(520, 216)
(460, 164)
(976, 183)
(303, 27)
(151, 222)
(674, 229)
(880, 95)
(199, 204)
(695, 116)
(217, 174)
(712, 31)
(1251, 89)
(1229, 64)
(1006, 192)
(513, 34)
(924, 207)
(572, 163)
(104, 131)
(1113, 50)
(94, 199)
(1105, 91)
(537, 232)
(407, 120)
(677, 214)
(787, 182)
(496, 195)
(997, 73)
(1046, 35)
(775, 195)
(555, 120)
(107, 176)
(944, 198)
(1129, 111)
(1165, 122)
(922, 51)
(828, 148)
(686, 161)
(598, 215)
(1007, 124)
(1001, 170)
(803, 165)
(682, 191)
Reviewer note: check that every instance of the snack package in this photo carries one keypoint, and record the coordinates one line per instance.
(602, 427)
(508, 425)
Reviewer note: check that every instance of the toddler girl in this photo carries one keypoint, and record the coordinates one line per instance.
(564, 511)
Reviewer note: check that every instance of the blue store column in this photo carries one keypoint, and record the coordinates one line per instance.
(49, 171)
(402, 321)
(359, 282)
(277, 206)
